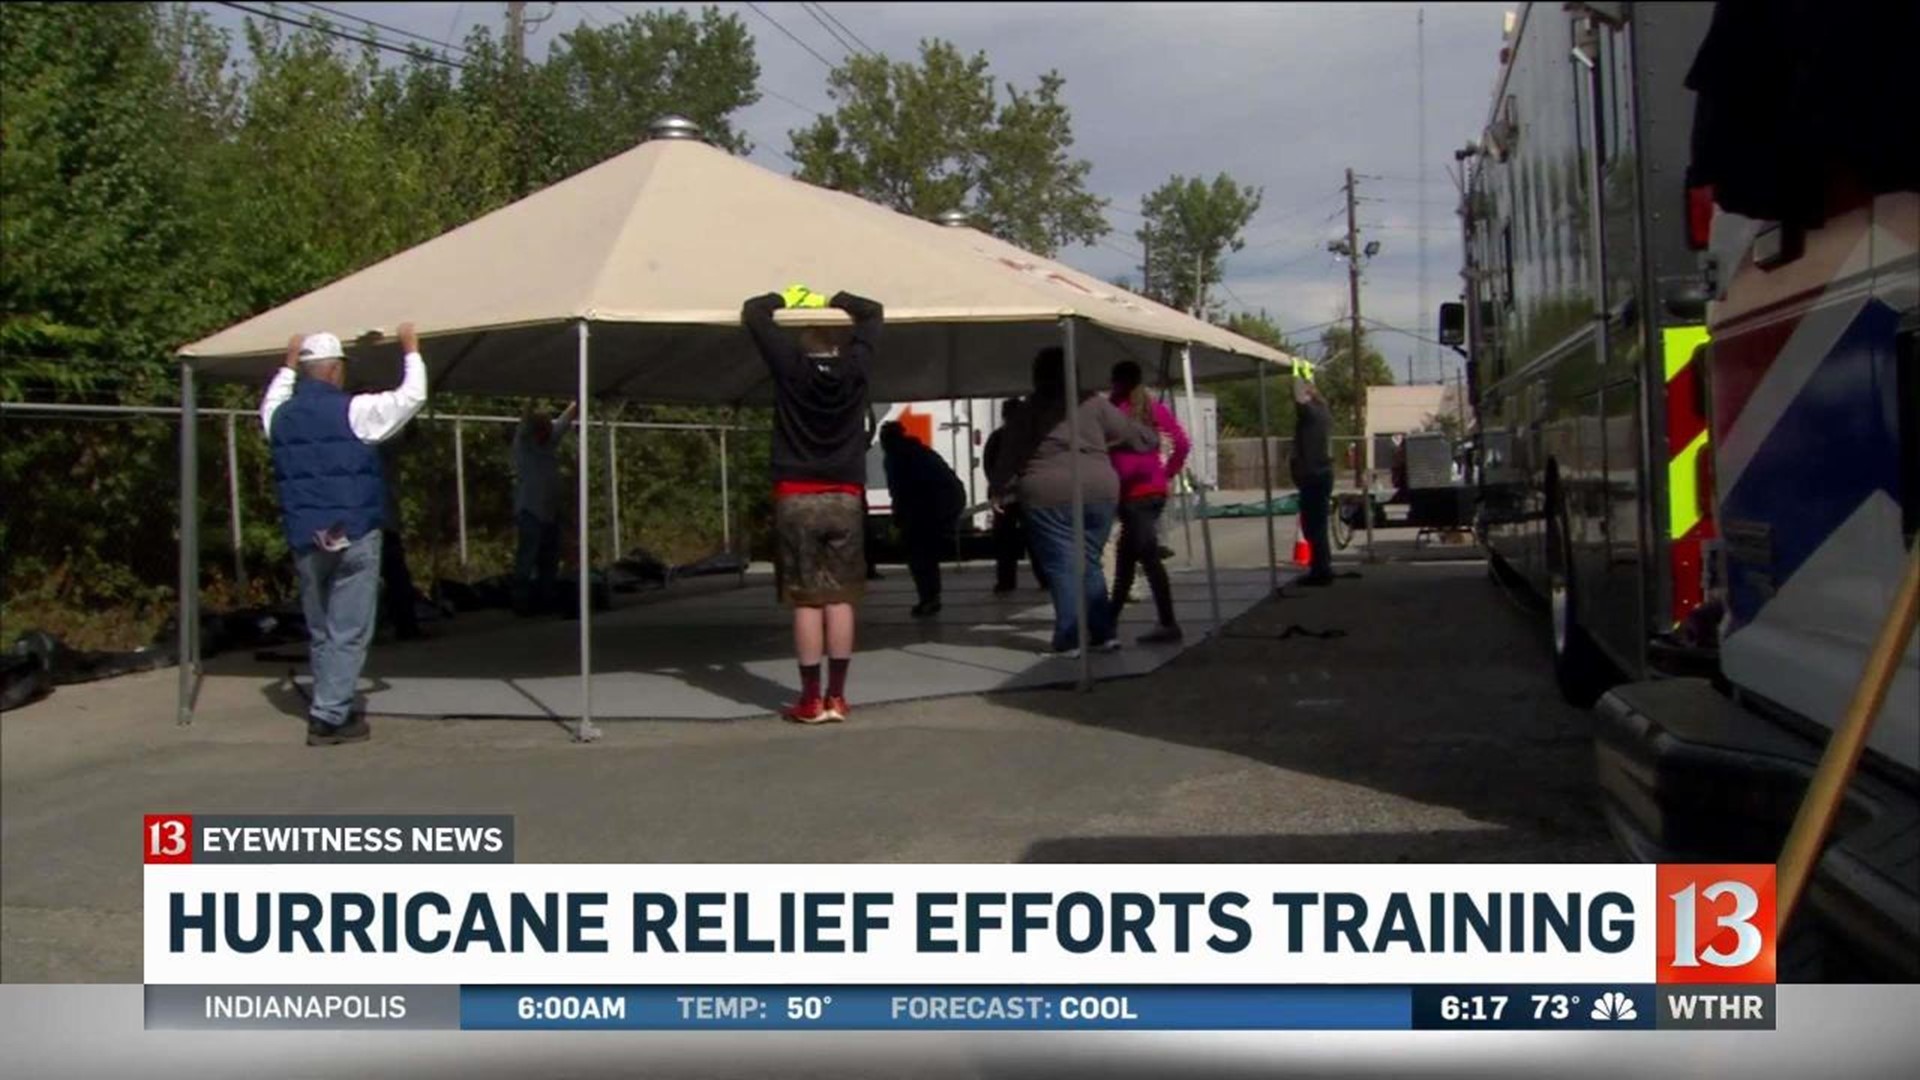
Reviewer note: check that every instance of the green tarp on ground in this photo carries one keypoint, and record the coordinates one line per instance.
(1285, 504)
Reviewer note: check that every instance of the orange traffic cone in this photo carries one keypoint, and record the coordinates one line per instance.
(1302, 551)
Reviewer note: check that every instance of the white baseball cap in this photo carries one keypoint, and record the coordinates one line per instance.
(321, 347)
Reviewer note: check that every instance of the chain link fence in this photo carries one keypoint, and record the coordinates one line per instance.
(89, 545)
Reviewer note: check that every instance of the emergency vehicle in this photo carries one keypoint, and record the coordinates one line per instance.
(1722, 430)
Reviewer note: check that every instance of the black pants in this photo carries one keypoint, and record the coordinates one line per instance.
(1315, 492)
(396, 599)
(536, 563)
(1012, 542)
(926, 541)
(1140, 547)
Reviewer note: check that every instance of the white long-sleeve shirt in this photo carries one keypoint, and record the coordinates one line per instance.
(374, 418)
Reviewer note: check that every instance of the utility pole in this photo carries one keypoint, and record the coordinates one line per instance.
(1359, 377)
(1146, 262)
(516, 32)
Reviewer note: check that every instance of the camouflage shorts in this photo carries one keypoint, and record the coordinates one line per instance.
(820, 547)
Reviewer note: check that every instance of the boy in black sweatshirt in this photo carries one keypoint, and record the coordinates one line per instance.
(819, 482)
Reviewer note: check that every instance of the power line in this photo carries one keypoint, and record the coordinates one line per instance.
(782, 97)
(755, 8)
(828, 27)
(323, 28)
(822, 8)
(383, 26)
(1389, 327)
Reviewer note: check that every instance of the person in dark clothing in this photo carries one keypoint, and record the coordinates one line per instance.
(1311, 463)
(927, 501)
(820, 396)
(1012, 540)
(397, 595)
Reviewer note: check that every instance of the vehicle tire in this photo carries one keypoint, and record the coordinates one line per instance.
(1579, 669)
(1341, 526)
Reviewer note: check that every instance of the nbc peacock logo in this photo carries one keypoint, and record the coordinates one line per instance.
(1614, 1006)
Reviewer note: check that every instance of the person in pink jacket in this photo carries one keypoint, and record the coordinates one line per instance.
(1144, 477)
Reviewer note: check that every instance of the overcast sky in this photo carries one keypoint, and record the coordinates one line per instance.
(1284, 97)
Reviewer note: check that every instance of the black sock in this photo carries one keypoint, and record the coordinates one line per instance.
(837, 677)
(809, 681)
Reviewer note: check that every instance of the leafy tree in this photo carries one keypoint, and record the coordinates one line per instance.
(930, 137)
(1240, 399)
(1191, 225)
(156, 190)
(1334, 374)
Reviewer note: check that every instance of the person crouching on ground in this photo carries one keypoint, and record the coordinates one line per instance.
(333, 505)
(927, 501)
(1311, 463)
(1143, 497)
(819, 482)
(1036, 464)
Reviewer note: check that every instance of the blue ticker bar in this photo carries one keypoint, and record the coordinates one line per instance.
(938, 1008)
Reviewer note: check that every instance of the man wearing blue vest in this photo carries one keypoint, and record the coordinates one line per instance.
(333, 505)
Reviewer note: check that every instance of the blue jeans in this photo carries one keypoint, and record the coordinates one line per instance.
(340, 592)
(1051, 529)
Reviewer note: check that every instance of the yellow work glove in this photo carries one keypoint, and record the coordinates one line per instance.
(799, 296)
(1303, 370)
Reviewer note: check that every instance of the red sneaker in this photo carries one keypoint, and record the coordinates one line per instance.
(808, 710)
(836, 708)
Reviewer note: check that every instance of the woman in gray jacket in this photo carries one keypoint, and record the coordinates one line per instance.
(1037, 464)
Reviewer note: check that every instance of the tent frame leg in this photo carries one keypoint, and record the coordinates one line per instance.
(1266, 477)
(1071, 362)
(188, 600)
(235, 529)
(584, 730)
(460, 487)
(1200, 490)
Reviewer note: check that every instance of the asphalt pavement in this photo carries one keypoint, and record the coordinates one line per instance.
(1405, 715)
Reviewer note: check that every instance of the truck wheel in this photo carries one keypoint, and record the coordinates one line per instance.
(1578, 667)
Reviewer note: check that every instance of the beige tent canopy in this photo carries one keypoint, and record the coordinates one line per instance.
(656, 248)
(626, 280)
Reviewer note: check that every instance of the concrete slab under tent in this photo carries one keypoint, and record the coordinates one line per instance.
(713, 651)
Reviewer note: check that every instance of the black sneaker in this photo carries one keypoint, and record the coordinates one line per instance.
(354, 730)
(1161, 635)
(926, 608)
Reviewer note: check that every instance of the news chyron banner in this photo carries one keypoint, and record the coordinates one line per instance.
(428, 922)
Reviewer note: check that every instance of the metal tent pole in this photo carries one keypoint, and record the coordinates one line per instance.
(1206, 523)
(460, 486)
(188, 600)
(613, 489)
(726, 498)
(1070, 361)
(584, 731)
(233, 508)
(1266, 478)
